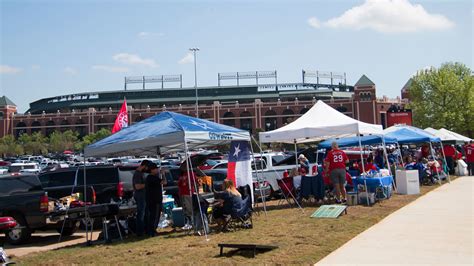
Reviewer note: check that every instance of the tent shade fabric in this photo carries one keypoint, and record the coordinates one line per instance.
(445, 137)
(354, 141)
(458, 137)
(410, 135)
(319, 123)
(167, 131)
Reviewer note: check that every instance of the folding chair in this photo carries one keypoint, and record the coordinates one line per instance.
(241, 217)
(287, 190)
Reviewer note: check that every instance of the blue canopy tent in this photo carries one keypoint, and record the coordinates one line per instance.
(354, 141)
(413, 135)
(166, 132)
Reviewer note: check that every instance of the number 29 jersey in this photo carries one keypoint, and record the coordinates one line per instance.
(337, 159)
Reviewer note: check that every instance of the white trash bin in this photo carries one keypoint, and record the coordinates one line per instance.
(408, 182)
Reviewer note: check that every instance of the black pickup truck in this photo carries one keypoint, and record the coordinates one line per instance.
(23, 198)
(108, 182)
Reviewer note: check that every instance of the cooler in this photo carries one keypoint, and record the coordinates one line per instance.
(352, 198)
(408, 182)
(178, 217)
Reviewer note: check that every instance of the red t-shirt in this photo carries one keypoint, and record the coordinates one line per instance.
(449, 151)
(368, 167)
(183, 183)
(470, 153)
(337, 159)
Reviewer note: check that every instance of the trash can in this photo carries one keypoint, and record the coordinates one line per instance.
(408, 182)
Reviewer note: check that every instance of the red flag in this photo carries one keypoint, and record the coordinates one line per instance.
(122, 118)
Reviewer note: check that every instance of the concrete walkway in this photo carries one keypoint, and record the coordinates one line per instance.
(435, 229)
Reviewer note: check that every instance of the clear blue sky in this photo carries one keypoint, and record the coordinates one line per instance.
(50, 48)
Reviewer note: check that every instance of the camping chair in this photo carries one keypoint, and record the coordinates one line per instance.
(287, 189)
(240, 218)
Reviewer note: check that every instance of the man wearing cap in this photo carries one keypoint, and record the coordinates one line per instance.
(337, 168)
(154, 198)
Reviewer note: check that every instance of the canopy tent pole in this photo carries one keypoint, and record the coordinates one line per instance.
(400, 153)
(190, 167)
(86, 212)
(363, 169)
(434, 159)
(296, 156)
(291, 193)
(444, 156)
(388, 163)
(258, 180)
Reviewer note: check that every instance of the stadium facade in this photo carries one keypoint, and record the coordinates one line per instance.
(251, 107)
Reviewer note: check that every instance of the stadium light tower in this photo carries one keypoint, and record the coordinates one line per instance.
(194, 50)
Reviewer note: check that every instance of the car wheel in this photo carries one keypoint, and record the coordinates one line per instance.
(20, 233)
(69, 230)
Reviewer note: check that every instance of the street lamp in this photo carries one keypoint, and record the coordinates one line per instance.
(194, 50)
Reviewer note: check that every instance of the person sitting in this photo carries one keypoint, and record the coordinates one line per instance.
(303, 162)
(369, 165)
(227, 200)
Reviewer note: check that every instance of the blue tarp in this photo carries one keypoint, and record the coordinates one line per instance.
(167, 131)
(354, 141)
(412, 135)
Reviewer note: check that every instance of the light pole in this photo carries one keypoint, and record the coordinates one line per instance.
(194, 50)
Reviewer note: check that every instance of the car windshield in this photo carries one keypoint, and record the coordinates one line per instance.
(17, 168)
(211, 162)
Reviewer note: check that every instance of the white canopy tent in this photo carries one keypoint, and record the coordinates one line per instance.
(440, 134)
(455, 135)
(319, 123)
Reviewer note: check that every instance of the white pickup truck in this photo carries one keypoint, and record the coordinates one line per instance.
(269, 167)
(32, 168)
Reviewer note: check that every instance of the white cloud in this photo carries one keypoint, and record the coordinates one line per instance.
(147, 34)
(389, 16)
(314, 22)
(133, 59)
(112, 69)
(70, 71)
(5, 69)
(187, 59)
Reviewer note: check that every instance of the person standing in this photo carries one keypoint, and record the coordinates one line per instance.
(138, 183)
(469, 150)
(451, 154)
(185, 190)
(154, 198)
(337, 167)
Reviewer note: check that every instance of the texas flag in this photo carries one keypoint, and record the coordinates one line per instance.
(239, 167)
(122, 118)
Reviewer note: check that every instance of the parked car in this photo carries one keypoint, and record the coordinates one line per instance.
(109, 182)
(23, 198)
(219, 175)
(32, 168)
(222, 165)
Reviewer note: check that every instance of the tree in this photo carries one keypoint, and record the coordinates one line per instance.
(34, 144)
(91, 138)
(61, 141)
(444, 97)
(9, 147)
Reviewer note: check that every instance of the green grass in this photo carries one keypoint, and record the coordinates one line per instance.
(301, 240)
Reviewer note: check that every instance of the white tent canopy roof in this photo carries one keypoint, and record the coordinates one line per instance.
(442, 135)
(455, 135)
(319, 123)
